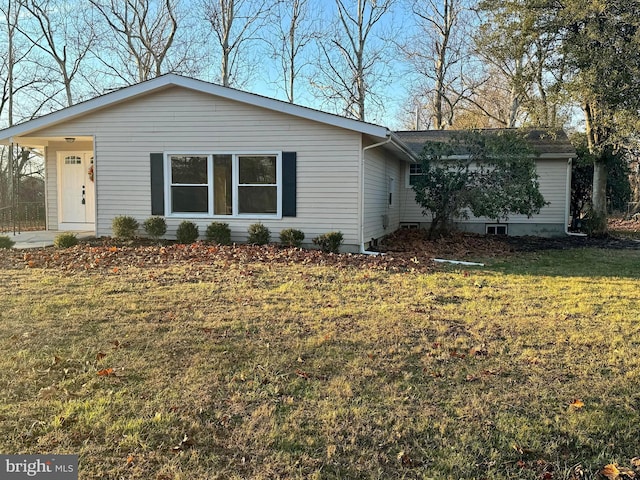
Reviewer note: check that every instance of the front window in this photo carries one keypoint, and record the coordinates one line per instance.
(224, 184)
(257, 185)
(189, 183)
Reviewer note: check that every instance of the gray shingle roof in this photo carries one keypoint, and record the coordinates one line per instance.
(543, 141)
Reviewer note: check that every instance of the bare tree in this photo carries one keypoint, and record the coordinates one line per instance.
(293, 34)
(145, 31)
(351, 55)
(234, 23)
(56, 32)
(17, 77)
(438, 52)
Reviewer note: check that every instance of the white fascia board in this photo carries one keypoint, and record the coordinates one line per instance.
(170, 80)
(400, 145)
(543, 156)
(82, 108)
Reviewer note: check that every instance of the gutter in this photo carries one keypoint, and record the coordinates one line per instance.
(363, 250)
(568, 204)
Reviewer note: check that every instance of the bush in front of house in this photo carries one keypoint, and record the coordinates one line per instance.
(219, 232)
(6, 242)
(290, 237)
(124, 227)
(187, 232)
(155, 227)
(258, 234)
(65, 240)
(329, 242)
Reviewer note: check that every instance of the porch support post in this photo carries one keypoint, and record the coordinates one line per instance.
(12, 186)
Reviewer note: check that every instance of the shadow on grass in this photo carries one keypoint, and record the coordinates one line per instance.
(579, 262)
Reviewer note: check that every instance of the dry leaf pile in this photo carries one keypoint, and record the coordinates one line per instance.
(404, 251)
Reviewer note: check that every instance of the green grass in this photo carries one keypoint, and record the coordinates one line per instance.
(276, 371)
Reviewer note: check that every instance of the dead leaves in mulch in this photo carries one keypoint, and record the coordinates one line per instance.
(404, 251)
(112, 261)
(458, 246)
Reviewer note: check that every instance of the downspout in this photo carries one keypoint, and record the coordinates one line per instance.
(375, 145)
(567, 216)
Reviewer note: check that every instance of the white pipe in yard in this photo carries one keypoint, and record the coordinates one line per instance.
(459, 262)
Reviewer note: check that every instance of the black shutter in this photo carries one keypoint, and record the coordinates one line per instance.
(289, 184)
(157, 184)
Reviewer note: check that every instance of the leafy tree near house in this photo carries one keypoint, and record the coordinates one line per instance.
(601, 39)
(479, 173)
(618, 184)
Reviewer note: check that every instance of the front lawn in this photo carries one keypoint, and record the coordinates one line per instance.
(236, 368)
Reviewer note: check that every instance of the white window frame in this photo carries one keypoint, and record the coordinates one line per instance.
(495, 227)
(409, 174)
(235, 175)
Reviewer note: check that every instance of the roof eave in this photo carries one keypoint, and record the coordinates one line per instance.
(409, 155)
(173, 80)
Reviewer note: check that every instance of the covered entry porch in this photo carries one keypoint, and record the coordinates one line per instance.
(68, 193)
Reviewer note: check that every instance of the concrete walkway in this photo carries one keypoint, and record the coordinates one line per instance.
(39, 239)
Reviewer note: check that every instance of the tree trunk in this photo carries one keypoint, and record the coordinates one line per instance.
(598, 221)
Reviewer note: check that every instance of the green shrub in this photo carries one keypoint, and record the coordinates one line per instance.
(187, 232)
(124, 227)
(259, 234)
(219, 233)
(155, 227)
(6, 242)
(291, 237)
(65, 240)
(329, 242)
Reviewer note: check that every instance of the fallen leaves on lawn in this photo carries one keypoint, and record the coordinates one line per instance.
(610, 471)
(185, 443)
(613, 471)
(106, 372)
(577, 404)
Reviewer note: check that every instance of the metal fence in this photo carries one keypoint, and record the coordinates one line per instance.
(25, 216)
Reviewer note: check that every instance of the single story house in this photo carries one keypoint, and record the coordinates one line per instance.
(553, 166)
(186, 149)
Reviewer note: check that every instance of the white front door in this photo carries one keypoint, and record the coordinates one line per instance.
(76, 192)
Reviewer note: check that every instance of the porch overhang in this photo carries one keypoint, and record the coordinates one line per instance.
(37, 142)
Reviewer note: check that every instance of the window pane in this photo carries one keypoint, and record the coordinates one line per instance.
(257, 170)
(258, 200)
(190, 199)
(187, 169)
(222, 186)
(415, 170)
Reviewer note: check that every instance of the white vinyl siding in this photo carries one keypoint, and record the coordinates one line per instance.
(552, 176)
(380, 169)
(178, 119)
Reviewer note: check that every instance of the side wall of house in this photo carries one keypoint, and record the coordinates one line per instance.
(185, 121)
(382, 185)
(552, 176)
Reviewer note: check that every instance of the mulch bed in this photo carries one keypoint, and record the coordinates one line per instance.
(405, 250)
